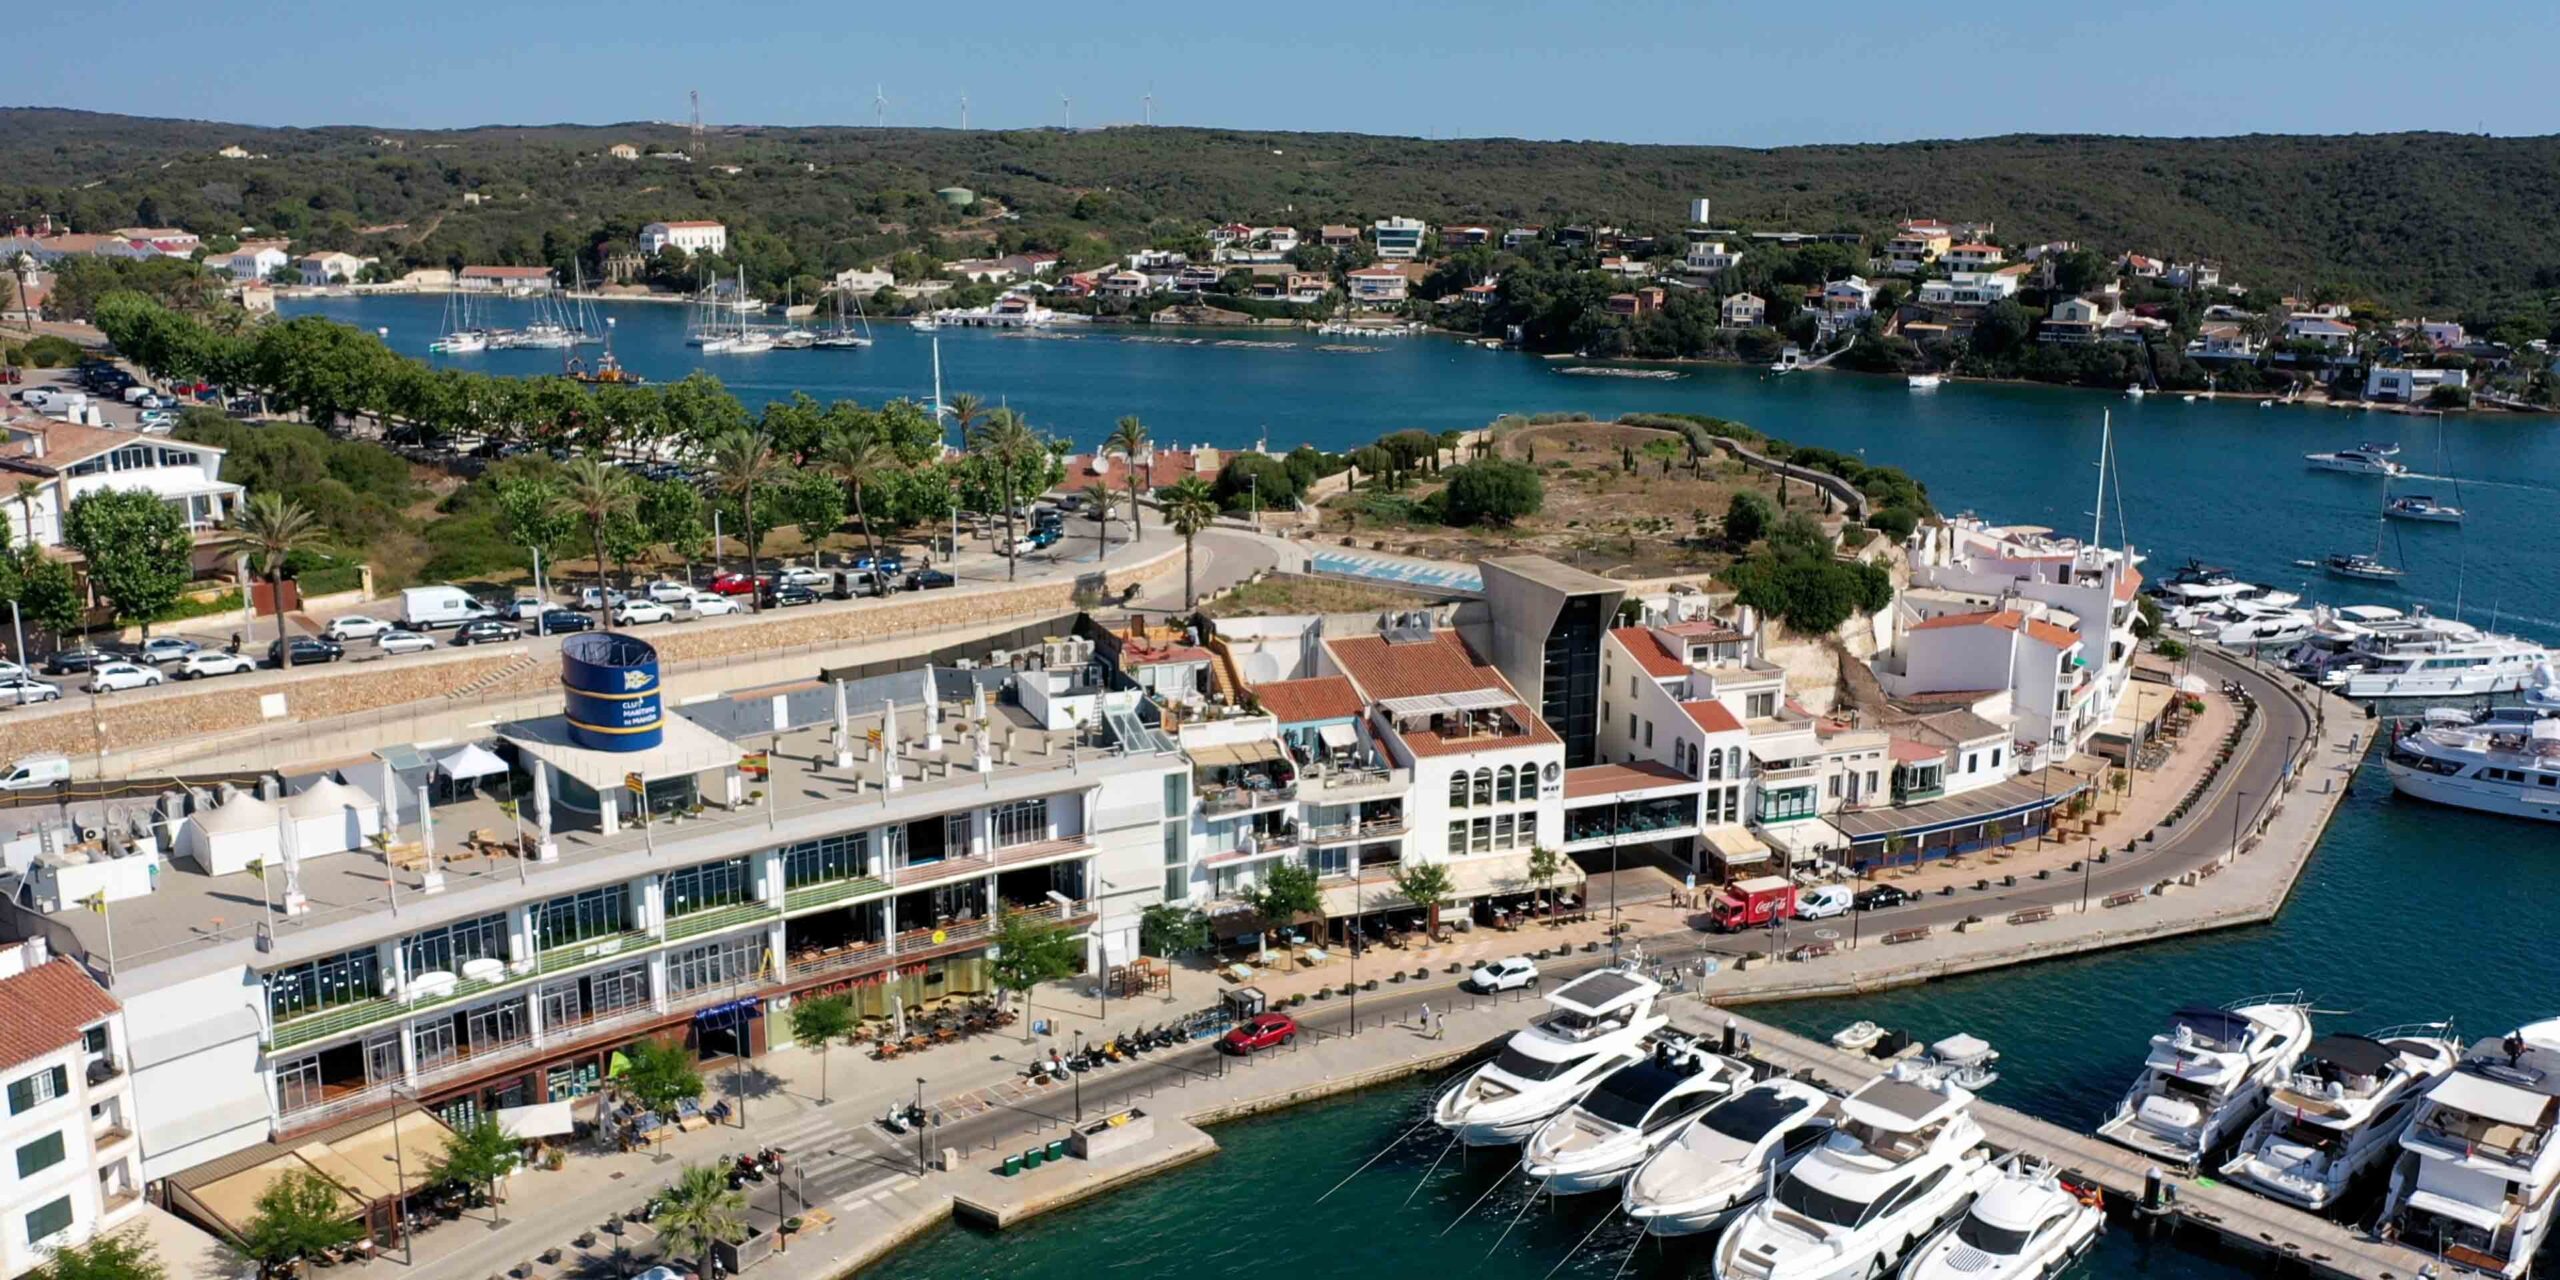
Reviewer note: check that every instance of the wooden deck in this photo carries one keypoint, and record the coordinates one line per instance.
(2241, 1218)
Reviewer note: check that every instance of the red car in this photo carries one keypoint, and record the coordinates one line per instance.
(1261, 1031)
(733, 584)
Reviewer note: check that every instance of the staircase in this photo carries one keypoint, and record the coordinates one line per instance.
(524, 662)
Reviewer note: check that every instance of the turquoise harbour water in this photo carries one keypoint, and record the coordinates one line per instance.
(2406, 913)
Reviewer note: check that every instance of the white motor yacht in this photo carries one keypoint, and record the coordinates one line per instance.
(2366, 459)
(1594, 1025)
(1716, 1165)
(1967, 1061)
(1595, 1143)
(2250, 625)
(1905, 1156)
(2504, 761)
(2341, 1113)
(2207, 1075)
(2024, 1226)
(1924, 381)
(2423, 656)
(2474, 1182)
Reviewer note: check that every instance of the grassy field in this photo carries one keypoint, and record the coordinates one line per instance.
(1294, 595)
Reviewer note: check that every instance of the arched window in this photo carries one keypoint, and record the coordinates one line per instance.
(1733, 761)
(1458, 790)
(1484, 786)
(1715, 766)
(1506, 785)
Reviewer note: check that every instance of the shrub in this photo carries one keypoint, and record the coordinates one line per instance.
(1250, 478)
(1894, 522)
(1495, 492)
(50, 352)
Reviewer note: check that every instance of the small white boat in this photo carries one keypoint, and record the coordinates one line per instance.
(2135, 392)
(1719, 1164)
(1595, 1143)
(1967, 1061)
(1924, 381)
(2366, 459)
(924, 324)
(2419, 506)
(2362, 567)
(460, 343)
(2026, 1225)
(1857, 1037)
(2187, 399)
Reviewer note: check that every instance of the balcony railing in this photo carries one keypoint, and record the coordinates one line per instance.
(857, 956)
(919, 874)
(1228, 800)
(833, 891)
(718, 918)
(1337, 833)
(1331, 781)
(1039, 849)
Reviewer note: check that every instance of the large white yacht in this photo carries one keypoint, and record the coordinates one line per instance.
(2423, 656)
(2506, 760)
(2025, 1226)
(2341, 1113)
(2474, 1182)
(1904, 1158)
(1595, 1143)
(1719, 1163)
(1594, 1025)
(2207, 1075)
(2366, 459)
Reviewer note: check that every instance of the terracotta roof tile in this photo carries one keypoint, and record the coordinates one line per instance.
(45, 1009)
(2007, 620)
(2127, 583)
(1647, 650)
(1442, 664)
(1602, 779)
(1712, 716)
(1319, 698)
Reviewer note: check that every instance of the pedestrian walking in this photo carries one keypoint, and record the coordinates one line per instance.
(1439, 1025)
(1426, 1020)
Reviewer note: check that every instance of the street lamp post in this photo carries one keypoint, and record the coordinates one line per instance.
(2239, 805)
(920, 1169)
(2088, 863)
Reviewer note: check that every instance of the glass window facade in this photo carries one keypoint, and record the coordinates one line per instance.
(713, 963)
(1021, 822)
(1570, 681)
(350, 977)
(838, 857)
(713, 884)
(596, 913)
(447, 949)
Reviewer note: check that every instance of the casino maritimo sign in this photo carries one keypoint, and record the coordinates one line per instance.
(611, 684)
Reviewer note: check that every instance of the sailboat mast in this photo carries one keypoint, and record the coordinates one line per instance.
(2106, 437)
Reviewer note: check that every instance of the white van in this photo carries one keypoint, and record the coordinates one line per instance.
(33, 772)
(1823, 902)
(58, 403)
(426, 608)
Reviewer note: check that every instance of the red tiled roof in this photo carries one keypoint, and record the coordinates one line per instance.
(1168, 467)
(1906, 749)
(44, 1010)
(1647, 650)
(1601, 779)
(1319, 698)
(2007, 620)
(692, 222)
(1442, 664)
(1712, 716)
(2127, 583)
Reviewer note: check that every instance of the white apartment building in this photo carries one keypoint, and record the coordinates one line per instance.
(1743, 311)
(697, 236)
(1378, 286)
(249, 261)
(1398, 239)
(1968, 289)
(1706, 257)
(69, 1123)
(905, 812)
(2409, 386)
(65, 460)
(2065, 585)
(330, 268)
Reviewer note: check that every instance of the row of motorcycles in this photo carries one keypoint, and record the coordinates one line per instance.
(755, 1167)
(1119, 1048)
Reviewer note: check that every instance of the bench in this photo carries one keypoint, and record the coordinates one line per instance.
(1900, 936)
(2126, 898)
(2032, 915)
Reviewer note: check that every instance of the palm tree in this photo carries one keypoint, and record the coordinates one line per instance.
(700, 1211)
(270, 528)
(1004, 440)
(27, 491)
(1129, 436)
(741, 460)
(964, 408)
(1189, 507)
(598, 491)
(1104, 503)
(859, 459)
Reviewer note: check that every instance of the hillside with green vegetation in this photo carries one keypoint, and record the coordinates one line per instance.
(2416, 221)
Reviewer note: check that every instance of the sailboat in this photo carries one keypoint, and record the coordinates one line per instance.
(844, 336)
(746, 340)
(2420, 506)
(707, 331)
(461, 336)
(2362, 566)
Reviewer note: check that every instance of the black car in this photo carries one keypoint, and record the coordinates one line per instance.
(487, 631)
(789, 594)
(306, 651)
(64, 662)
(560, 622)
(930, 580)
(1882, 896)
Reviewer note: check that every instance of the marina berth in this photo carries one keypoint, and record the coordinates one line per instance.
(2477, 1170)
(1905, 1156)
(1720, 1163)
(2340, 1114)
(1595, 1025)
(2027, 1224)
(2206, 1076)
(1595, 1143)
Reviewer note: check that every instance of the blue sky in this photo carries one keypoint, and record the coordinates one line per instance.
(1630, 70)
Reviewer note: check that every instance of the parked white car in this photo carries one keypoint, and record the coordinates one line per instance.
(666, 592)
(526, 608)
(634, 612)
(402, 642)
(1507, 974)
(19, 690)
(164, 649)
(1822, 902)
(355, 626)
(12, 671)
(705, 604)
(801, 575)
(109, 677)
(213, 662)
(597, 598)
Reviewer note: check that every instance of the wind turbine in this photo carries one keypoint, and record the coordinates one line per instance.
(879, 106)
(964, 112)
(1149, 104)
(1068, 105)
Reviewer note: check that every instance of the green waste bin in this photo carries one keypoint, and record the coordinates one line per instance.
(1031, 1159)
(1058, 1149)
(1012, 1166)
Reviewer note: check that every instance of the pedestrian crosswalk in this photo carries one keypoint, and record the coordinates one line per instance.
(1409, 572)
(830, 1163)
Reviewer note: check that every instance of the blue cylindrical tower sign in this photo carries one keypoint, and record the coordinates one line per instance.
(611, 682)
